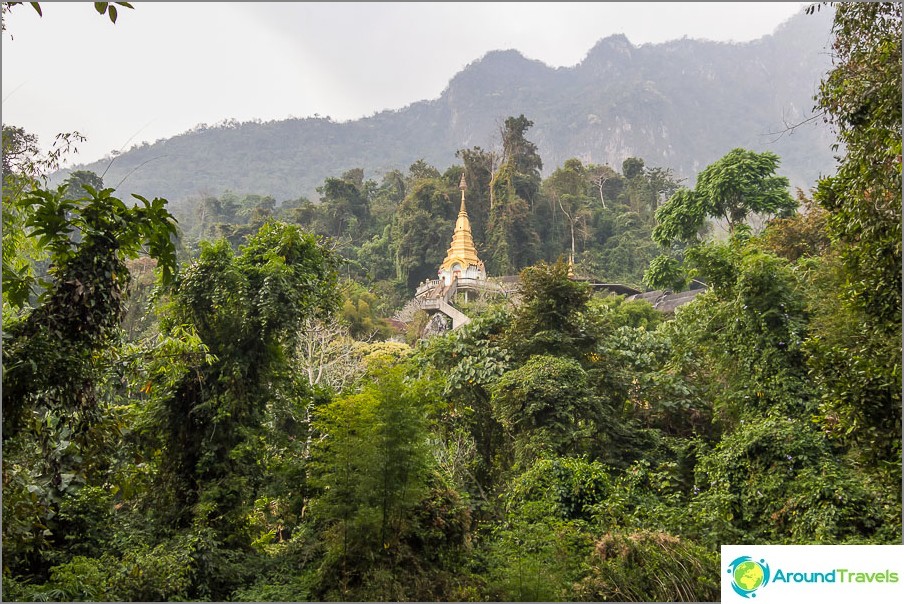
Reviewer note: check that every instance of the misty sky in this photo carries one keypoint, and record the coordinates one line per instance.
(166, 67)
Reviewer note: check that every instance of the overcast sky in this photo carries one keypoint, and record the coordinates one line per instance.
(166, 67)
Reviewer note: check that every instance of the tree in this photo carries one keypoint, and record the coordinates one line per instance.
(566, 188)
(805, 234)
(20, 152)
(247, 310)
(608, 182)
(387, 198)
(327, 355)
(861, 98)
(422, 230)
(472, 359)
(372, 468)
(856, 343)
(739, 184)
(479, 167)
(663, 185)
(77, 180)
(24, 169)
(775, 479)
(743, 183)
(747, 331)
(547, 407)
(665, 272)
(48, 357)
(523, 156)
(361, 312)
(549, 320)
(421, 170)
(650, 566)
(345, 205)
(632, 167)
(59, 354)
(512, 240)
(681, 219)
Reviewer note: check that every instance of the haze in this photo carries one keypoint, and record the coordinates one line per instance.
(166, 67)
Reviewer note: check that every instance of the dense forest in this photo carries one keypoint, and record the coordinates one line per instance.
(207, 401)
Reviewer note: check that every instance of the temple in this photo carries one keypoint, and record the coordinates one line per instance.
(462, 275)
(461, 260)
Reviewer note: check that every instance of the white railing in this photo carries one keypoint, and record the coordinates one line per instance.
(427, 286)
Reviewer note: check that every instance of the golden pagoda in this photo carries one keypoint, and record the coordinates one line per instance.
(461, 259)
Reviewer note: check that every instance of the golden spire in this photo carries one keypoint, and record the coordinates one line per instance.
(462, 250)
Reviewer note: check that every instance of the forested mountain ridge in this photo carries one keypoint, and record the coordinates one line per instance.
(680, 104)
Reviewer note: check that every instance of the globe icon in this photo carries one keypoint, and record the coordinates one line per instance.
(748, 575)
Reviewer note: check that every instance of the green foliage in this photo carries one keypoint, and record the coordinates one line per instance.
(855, 344)
(800, 235)
(421, 230)
(681, 218)
(76, 181)
(632, 167)
(246, 309)
(775, 480)
(739, 185)
(665, 272)
(612, 312)
(478, 166)
(81, 579)
(471, 359)
(644, 377)
(235, 442)
(359, 311)
(649, 495)
(538, 551)
(743, 183)
(523, 156)
(549, 317)
(856, 368)
(536, 562)
(862, 98)
(345, 205)
(511, 239)
(50, 355)
(567, 191)
(566, 488)
(750, 329)
(372, 468)
(650, 566)
(547, 406)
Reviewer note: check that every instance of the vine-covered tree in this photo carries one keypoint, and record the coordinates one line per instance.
(246, 309)
(50, 352)
(857, 348)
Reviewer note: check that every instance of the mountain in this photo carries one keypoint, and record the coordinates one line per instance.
(680, 104)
